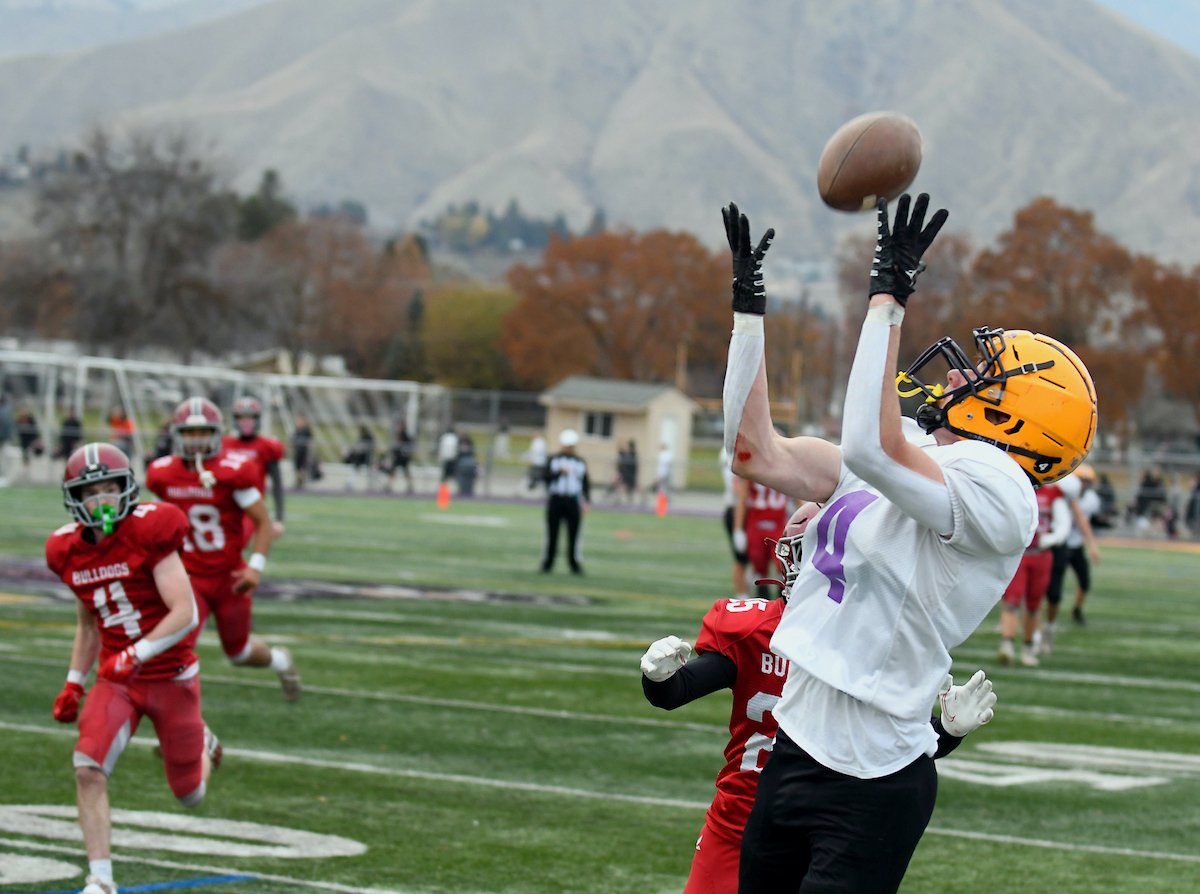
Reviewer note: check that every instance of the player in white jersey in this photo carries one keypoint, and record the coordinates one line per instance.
(913, 546)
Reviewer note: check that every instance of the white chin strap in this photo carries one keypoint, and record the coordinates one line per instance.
(745, 356)
(207, 478)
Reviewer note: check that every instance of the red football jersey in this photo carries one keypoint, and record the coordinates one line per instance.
(1046, 495)
(114, 579)
(260, 450)
(740, 629)
(215, 514)
(766, 517)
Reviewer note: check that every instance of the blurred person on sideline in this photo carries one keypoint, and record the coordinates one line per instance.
(302, 456)
(662, 473)
(914, 543)
(121, 430)
(29, 437)
(736, 536)
(733, 652)
(6, 430)
(568, 497)
(134, 613)
(70, 433)
(401, 455)
(535, 456)
(215, 490)
(447, 452)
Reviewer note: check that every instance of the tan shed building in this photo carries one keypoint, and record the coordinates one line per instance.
(608, 413)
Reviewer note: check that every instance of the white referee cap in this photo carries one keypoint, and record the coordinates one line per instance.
(569, 437)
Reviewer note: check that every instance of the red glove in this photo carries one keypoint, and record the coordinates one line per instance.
(120, 667)
(66, 706)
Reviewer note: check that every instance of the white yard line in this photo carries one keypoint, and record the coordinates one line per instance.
(564, 791)
(126, 857)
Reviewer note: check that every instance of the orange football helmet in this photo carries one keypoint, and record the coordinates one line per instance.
(1028, 394)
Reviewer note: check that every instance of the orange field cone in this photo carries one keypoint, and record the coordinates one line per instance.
(443, 495)
(660, 504)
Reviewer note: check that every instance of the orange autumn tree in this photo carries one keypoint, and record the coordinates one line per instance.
(619, 305)
(1168, 303)
(1055, 273)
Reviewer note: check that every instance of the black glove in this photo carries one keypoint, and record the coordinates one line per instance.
(749, 294)
(898, 253)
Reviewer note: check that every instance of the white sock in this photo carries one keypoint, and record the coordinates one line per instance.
(279, 660)
(101, 869)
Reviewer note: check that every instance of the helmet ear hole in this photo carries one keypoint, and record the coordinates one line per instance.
(996, 417)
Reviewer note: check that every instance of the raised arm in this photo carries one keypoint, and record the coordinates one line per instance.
(873, 441)
(802, 468)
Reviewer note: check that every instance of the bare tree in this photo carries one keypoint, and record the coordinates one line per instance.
(131, 227)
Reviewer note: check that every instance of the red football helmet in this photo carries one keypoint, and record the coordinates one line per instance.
(93, 463)
(247, 416)
(196, 428)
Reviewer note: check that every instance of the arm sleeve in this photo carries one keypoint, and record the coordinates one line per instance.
(946, 742)
(276, 488)
(1060, 524)
(921, 498)
(587, 487)
(704, 674)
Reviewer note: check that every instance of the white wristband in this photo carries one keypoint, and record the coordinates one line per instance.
(891, 313)
(258, 562)
(76, 677)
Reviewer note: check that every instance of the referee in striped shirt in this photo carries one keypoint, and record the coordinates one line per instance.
(567, 483)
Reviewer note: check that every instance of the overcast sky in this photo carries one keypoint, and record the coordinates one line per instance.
(1176, 20)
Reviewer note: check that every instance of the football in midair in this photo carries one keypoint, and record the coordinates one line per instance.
(872, 156)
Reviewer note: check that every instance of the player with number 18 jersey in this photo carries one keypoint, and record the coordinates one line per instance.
(214, 547)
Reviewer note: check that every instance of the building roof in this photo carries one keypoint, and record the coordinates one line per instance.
(611, 392)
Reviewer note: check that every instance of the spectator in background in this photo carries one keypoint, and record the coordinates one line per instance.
(466, 467)
(1107, 515)
(662, 481)
(29, 436)
(70, 433)
(402, 452)
(121, 431)
(164, 441)
(500, 444)
(1150, 499)
(566, 479)
(737, 544)
(1192, 512)
(301, 446)
(361, 454)
(447, 452)
(6, 428)
(536, 457)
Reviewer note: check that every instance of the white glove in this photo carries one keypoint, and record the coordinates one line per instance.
(739, 540)
(966, 708)
(664, 657)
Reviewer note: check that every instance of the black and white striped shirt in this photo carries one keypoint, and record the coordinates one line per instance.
(566, 476)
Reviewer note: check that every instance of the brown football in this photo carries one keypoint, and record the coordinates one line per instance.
(872, 156)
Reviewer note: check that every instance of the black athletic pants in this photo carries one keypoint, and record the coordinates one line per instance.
(558, 510)
(816, 831)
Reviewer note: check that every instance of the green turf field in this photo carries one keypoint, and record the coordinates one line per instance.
(453, 741)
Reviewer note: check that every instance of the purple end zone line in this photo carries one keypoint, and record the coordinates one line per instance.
(201, 882)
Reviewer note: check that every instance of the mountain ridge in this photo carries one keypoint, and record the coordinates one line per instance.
(658, 112)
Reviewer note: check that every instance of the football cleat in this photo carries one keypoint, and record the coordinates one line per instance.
(1029, 657)
(1006, 653)
(95, 886)
(212, 746)
(289, 679)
